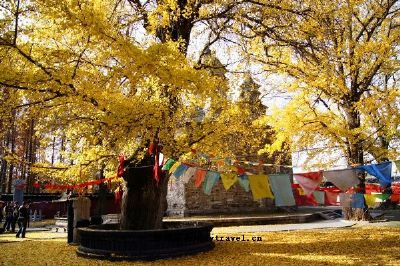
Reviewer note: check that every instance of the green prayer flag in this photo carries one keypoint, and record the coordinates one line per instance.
(382, 197)
(168, 165)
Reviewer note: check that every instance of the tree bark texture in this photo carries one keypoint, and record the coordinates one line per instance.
(358, 214)
(355, 156)
(144, 200)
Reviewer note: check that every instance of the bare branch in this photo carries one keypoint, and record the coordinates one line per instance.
(16, 23)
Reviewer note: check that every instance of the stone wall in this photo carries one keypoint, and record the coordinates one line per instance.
(176, 198)
(186, 199)
(234, 200)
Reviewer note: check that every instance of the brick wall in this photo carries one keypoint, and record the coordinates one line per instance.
(176, 198)
(186, 199)
(234, 200)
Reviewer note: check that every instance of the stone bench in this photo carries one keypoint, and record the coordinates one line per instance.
(112, 218)
(61, 223)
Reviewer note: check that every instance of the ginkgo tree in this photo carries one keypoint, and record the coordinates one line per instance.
(341, 61)
(86, 71)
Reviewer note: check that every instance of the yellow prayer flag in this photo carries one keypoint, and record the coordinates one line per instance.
(174, 166)
(232, 168)
(370, 200)
(260, 188)
(228, 179)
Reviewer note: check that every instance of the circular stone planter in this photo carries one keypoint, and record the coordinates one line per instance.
(177, 239)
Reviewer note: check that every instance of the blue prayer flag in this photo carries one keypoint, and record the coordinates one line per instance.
(180, 170)
(282, 189)
(244, 182)
(357, 200)
(210, 181)
(382, 171)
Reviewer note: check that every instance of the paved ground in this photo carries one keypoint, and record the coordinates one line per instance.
(387, 218)
(338, 223)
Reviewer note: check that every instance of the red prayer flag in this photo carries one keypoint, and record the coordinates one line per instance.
(331, 198)
(240, 171)
(309, 181)
(199, 176)
(156, 168)
(310, 200)
(121, 166)
(372, 188)
(395, 198)
(395, 188)
(311, 175)
(295, 186)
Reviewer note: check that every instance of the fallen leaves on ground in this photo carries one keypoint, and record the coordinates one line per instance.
(357, 246)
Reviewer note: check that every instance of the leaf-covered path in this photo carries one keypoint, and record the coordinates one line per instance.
(356, 245)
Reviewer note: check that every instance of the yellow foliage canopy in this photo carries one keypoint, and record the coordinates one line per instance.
(75, 71)
(342, 60)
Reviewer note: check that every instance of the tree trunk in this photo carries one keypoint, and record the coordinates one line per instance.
(355, 214)
(10, 178)
(144, 200)
(3, 167)
(13, 136)
(355, 156)
(102, 193)
(3, 178)
(30, 156)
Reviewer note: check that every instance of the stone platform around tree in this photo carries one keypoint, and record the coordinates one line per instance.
(301, 215)
(175, 239)
(250, 219)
